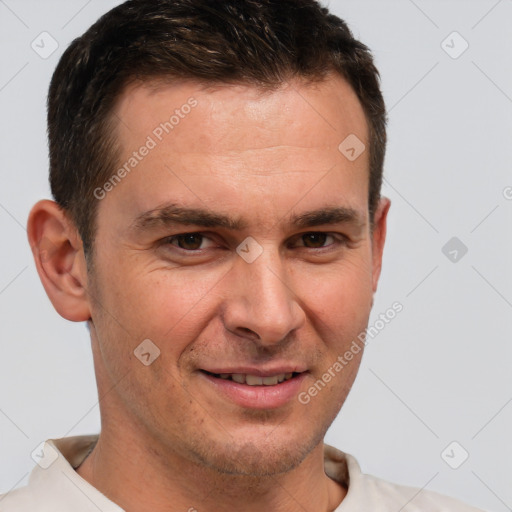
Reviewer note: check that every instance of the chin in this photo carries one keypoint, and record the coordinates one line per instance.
(263, 457)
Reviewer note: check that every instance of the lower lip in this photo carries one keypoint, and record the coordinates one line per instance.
(258, 397)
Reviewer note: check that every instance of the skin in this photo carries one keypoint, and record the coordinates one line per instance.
(168, 437)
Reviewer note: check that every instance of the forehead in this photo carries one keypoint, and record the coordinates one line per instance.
(241, 144)
(244, 117)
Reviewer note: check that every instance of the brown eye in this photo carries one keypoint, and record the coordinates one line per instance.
(314, 240)
(189, 241)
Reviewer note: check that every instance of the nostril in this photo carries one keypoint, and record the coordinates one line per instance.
(246, 331)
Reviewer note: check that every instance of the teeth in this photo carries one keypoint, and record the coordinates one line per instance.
(238, 377)
(255, 380)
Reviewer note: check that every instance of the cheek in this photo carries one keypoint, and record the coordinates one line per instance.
(339, 307)
(168, 306)
(341, 293)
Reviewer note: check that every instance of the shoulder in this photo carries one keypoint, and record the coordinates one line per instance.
(367, 492)
(411, 499)
(18, 500)
(54, 485)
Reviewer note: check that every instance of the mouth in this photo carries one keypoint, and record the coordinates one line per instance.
(254, 380)
(272, 390)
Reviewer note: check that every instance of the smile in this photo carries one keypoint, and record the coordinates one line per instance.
(269, 391)
(255, 380)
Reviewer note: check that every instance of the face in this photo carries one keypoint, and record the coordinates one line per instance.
(239, 243)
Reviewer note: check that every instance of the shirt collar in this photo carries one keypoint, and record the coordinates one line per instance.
(56, 484)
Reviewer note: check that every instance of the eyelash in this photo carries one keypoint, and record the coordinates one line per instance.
(339, 240)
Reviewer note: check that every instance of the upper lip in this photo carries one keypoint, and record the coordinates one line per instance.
(260, 371)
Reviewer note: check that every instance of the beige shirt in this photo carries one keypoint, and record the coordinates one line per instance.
(54, 485)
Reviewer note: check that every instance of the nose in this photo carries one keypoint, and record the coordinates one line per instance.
(260, 301)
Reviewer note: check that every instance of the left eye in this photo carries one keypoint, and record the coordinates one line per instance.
(188, 241)
(316, 240)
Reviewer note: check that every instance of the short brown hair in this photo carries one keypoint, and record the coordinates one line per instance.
(258, 42)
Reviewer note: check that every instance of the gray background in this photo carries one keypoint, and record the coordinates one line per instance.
(441, 370)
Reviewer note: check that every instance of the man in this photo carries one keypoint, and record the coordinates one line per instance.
(216, 169)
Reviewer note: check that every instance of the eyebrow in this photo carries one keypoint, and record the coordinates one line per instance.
(173, 214)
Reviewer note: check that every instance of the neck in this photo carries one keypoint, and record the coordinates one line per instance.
(138, 478)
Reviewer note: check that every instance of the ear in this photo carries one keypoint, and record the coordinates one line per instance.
(378, 238)
(59, 258)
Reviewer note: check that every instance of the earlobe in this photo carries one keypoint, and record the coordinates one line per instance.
(59, 258)
(379, 238)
